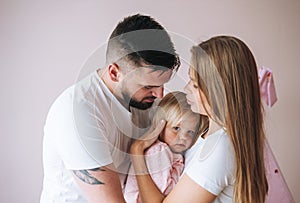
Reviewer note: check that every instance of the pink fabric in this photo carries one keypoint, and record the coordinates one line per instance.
(278, 189)
(164, 167)
(267, 87)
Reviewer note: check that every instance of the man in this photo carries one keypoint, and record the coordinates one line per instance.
(91, 124)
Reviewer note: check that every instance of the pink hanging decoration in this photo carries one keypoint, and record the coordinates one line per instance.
(267, 87)
(278, 189)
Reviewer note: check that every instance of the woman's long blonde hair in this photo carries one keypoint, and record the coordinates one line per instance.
(226, 73)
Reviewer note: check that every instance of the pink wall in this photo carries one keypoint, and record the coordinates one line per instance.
(44, 44)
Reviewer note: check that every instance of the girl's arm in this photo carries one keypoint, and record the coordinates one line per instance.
(186, 189)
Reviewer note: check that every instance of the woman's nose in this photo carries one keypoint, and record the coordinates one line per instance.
(186, 87)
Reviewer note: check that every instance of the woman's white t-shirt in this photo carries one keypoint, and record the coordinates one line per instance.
(211, 164)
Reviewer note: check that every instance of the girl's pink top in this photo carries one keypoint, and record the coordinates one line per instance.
(164, 166)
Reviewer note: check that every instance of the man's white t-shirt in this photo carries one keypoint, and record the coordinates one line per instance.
(211, 164)
(86, 128)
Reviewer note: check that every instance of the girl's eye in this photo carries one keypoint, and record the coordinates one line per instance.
(191, 132)
(176, 128)
(195, 86)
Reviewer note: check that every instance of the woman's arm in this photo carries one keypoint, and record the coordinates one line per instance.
(147, 189)
(186, 189)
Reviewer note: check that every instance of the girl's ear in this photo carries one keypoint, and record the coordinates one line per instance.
(160, 136)
(114, 72)
(154, 124)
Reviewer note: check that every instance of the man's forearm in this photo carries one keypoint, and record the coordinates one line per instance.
(100, 184)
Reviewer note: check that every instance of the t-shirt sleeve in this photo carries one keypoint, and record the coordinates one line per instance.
(213, 170)
(79, 136)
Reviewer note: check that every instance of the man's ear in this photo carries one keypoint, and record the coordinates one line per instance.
(114, 72)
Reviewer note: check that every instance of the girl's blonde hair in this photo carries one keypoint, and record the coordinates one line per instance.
(173, 107)
(226, 72)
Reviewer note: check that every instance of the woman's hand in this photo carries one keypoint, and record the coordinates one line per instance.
(139, 146)
(148, 191)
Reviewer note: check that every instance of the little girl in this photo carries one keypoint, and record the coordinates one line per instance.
(164, 158)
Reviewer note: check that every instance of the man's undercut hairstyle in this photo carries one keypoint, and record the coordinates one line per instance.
(139, 40)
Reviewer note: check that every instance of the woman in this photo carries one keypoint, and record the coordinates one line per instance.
(226, 164)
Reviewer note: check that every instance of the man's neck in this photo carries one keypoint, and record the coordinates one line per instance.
(112, 88)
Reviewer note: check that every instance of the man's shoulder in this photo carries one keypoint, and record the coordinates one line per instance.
(83, 96)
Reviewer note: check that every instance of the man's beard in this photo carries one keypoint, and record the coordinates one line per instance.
(136, 104)
(141, 105)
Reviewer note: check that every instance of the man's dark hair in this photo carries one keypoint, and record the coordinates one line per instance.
(140, 39)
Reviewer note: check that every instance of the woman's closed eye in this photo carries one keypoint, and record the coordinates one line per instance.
(147, 87)
(194, 84)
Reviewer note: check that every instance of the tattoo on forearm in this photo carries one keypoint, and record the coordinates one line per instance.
(86, 177)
